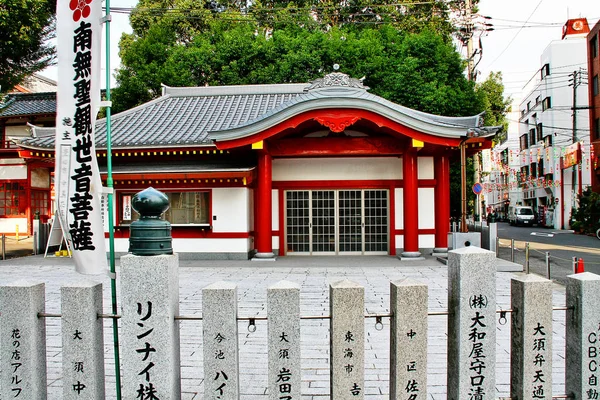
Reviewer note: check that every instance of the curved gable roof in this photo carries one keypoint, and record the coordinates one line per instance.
(199, 116)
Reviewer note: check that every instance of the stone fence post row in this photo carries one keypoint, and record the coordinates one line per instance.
(150, 335)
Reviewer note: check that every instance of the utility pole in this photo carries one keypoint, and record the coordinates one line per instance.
(575, 80)
(471, 75)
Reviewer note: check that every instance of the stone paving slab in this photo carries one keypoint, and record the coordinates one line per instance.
(313, 275)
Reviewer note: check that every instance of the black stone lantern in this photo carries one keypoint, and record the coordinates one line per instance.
(150, 235)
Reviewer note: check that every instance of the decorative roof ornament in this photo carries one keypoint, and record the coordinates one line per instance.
(336, 79)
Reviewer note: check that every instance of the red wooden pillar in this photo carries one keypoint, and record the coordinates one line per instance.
(411, 204)
(442, 203)
(263, 211)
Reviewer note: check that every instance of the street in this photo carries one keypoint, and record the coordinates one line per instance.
(562, 245)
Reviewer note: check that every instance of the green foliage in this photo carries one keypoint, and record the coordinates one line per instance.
(491, 94)
(455, 188)
(25, 28)
(419, 70)
(587, 216)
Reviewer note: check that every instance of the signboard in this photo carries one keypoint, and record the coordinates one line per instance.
(572, 155)
(477, 188)
(79, 187)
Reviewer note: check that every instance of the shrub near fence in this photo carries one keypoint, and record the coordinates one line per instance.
(151, 346)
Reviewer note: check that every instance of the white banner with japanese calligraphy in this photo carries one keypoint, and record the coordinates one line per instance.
(79, 32)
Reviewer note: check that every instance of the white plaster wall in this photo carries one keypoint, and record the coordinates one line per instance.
(18, 130)
(40, 178)
(322, 169)
(13, 172)
(426, 241)
(275, 209)
(426, 208)
(238, 245)
(399, 241)
(11, 161)
(8, 225)
(230, 206)
(399, 220)
(425, 165)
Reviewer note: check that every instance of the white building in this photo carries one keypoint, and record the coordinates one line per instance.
(499, 166)
(553, 142)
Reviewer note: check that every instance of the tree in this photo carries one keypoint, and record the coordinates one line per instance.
(491, 94)
(420, 70)
(26, 26)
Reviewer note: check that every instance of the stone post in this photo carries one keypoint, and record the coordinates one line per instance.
(22, 341)
(82, 341)
(583, 336)
(531, 338)
(283, 305)
(347, 337)
(220, 341)
(408, 352)
(471, 324)
(149, 331)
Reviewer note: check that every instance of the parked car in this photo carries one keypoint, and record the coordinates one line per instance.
(521, 215)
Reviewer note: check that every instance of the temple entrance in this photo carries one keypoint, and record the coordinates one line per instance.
(330, 222)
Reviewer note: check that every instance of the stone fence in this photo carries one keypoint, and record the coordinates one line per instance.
(150, 342)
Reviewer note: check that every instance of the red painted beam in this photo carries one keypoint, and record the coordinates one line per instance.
(336, 146)
(398, 130)
(442, 201)
(411, 202)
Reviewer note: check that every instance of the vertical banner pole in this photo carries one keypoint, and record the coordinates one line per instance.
(109, 184)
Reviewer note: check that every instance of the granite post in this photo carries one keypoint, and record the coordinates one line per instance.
(149, 331)
(283, 305)
(347, 337)
(531, 338)
(82, 341)
(471, 324)
(583, 336)
(220, 341)
(408, 333)
(22, 341)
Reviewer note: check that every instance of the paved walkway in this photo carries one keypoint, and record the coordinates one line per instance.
(313, 274)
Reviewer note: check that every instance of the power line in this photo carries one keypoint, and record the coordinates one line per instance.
(516, 34)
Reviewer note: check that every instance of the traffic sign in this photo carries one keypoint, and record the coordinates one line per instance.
(477, 188)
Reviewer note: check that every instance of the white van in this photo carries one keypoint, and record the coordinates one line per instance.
(521, 215)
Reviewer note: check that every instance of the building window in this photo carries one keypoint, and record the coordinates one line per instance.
(533, 169)
(546, 104)
(540, 167)
(595, 85)
(186, 208)
(40, 203)
(548, 141)
(523, 142)
(524, 174)
(594, 46)
(539, 132)
(528, 105)
(532, 140)
(545, 71)
(12, 199)
(597, 128)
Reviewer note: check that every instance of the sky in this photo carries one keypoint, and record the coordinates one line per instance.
(522, 30)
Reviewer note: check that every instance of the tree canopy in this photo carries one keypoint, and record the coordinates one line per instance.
(405, 53)
(25, 28)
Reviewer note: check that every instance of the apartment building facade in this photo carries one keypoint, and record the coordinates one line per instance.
(554, 144)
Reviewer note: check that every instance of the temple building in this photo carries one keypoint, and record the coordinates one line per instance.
(254, 171)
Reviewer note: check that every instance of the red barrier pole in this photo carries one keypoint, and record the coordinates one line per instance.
(580, 266)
